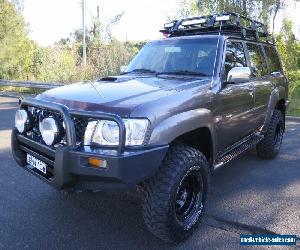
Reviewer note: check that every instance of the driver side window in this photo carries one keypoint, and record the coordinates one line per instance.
(235, 57)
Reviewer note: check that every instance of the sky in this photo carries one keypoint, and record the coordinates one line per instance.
(292, 11)
(51, 20)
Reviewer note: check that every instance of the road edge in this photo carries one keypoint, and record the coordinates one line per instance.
(293, 118)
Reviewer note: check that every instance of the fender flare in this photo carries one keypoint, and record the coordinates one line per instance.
(171, 128)
(273, 100)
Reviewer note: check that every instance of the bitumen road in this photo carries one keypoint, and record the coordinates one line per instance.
(249, 196)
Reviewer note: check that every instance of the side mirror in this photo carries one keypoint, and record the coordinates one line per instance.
(123, 68)
(238, 75)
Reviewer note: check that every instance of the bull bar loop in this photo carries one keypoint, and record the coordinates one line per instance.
(70, 128)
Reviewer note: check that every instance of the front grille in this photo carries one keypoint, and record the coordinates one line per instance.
(80, 127)
(34, 134)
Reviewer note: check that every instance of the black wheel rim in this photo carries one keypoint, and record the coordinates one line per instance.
(190, 197)
(278, 136)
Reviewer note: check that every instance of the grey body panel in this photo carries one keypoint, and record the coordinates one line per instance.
(190, 107)
(235, 111)
(279, 92)
(262, 91)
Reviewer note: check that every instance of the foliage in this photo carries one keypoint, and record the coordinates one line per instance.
(105, 54)
(63, 62)
(261, 10)
(288, 47)
(17, 51)
(55, 64)
(22, 59)
(107, 59)
(289, 50)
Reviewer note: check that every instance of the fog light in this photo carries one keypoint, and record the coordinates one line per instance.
(51, 130)
(23, 120)
(97, 163)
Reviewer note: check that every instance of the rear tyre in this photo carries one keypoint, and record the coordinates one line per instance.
(270, 146)
(174, 199)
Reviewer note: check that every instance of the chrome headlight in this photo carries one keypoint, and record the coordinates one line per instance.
(23, 120)
(51, 131)
(107, 132)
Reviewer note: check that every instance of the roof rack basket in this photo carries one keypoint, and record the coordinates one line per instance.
(227, 23)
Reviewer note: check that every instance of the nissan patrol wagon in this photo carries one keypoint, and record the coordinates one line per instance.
(184, 106)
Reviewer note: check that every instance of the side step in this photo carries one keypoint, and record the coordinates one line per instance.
(237, 149)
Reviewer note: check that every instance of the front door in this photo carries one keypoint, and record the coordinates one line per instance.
(235, 101)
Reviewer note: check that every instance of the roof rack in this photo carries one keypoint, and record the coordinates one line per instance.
(228, 23)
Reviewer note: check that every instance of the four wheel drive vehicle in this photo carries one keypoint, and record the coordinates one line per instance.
(183, 107)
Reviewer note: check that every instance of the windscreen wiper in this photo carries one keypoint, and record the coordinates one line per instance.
(182, 72)
(141, 70)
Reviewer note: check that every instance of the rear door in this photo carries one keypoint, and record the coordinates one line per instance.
(274, 67)
(262, 84)
(235, 100)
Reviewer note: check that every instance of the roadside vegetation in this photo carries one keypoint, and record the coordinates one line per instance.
(23, 59)
(289, 49)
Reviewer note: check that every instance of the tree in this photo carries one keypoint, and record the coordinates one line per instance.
(17, 50)
(262, 10)
(22, 59)
(289, 49)
(55, 64)
(288, 46)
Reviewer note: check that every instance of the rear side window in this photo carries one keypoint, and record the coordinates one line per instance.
(235, 56)
(258, 63)
(272, 59)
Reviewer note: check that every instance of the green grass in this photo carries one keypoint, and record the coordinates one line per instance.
(20, 90)
(294, 108)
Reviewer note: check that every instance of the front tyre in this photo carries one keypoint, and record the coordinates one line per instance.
(175, 198)
(270, 146)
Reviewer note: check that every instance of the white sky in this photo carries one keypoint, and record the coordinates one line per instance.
(50, 20)
(292, 11)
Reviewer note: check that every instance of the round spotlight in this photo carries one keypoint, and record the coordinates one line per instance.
(51, 131)
(23, 120)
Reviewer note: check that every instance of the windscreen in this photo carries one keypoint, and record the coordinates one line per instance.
(196, 56)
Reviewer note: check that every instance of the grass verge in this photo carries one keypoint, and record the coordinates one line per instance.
(21, 90)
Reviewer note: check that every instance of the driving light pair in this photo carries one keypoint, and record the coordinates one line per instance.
(51, 130)
(107, 132)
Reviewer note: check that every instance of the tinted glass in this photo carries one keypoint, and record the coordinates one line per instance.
(235, 57)
(258, 63)
(273, 59)
(177, 55)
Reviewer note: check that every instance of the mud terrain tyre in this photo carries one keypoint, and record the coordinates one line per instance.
(174, 199)
(269, 147)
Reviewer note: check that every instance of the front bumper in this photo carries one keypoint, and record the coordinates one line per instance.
(68, 168)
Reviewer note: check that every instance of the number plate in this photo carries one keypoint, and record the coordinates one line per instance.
(34, 162)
